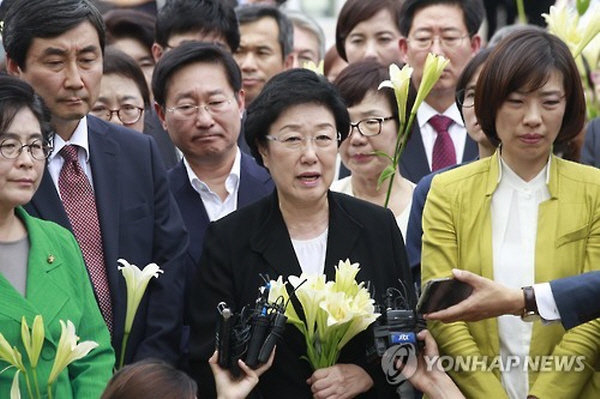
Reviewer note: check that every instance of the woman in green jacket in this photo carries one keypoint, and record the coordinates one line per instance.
(41, 268)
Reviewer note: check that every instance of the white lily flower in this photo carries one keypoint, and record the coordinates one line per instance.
(400, 83)
(34, 340)
(6, 351)
(15, 391)
(68, 350)
(433, 69)
(318, 69)
(345, 277)
(137, 281)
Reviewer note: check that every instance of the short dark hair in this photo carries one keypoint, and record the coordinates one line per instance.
(123, 23)
(119, 63)
(473, 13)
(525, 60)
(26, 20)
(191, 53)
(254, 12)
(362, 77)
(149, 379)
(354, 12)
(197, 16)
(285, 90)
(16, 94)
(467, 74)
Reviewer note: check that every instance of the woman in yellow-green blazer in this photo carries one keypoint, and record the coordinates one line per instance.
(528, 97)
(41, 267)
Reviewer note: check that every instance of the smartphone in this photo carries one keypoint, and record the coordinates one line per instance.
(441, 293)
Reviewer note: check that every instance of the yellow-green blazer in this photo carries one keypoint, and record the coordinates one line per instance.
(58, 288)
(457, 233)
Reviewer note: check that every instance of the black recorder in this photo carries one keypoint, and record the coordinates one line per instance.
(398, 323)
(250, 335)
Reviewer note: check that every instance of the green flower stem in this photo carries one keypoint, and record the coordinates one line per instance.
(49, 391)
(28, 383)
(35, 381)
(403, 134)
(123, 349)
(521, 12)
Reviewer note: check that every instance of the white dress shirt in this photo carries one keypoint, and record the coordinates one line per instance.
(215, 207)
(514, 213)
(80, 139)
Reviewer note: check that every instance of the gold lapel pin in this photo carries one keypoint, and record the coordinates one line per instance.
(50, 258)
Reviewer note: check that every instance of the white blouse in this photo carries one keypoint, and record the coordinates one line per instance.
(311, 253)
(514, 213)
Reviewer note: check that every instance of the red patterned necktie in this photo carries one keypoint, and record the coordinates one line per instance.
(444, 153)
(80, 204)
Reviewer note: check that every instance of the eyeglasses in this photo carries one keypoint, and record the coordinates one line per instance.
(128, 114)
(12, 149)
(185, 111)
(448, 41)
(296, 141)
(466, 98)
(369, 127)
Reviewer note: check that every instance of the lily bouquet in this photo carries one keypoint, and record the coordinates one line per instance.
(328, 313)
(67, 351)
(400, 81)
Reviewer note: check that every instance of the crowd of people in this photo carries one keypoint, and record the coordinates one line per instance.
(188, 133)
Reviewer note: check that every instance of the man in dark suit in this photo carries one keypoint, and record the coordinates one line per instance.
(199, 99)
(447, 28)
(57, 47)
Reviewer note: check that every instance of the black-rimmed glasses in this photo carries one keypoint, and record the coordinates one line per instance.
(370, 126)
(128, 114)
(12, 149)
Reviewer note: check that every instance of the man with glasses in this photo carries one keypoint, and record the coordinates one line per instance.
(199, 100)
(448, 28)
(104, 182)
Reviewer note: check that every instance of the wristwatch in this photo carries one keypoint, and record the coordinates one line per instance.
(530, 312)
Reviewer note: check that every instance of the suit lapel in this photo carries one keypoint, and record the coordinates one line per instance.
(272, 240)
(47, 205)
(192, 207)
(413, 163)
(251, 185)
(104, 159)
(341, 224)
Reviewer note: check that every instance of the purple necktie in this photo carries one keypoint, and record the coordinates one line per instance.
(443, 149)
(80, 204)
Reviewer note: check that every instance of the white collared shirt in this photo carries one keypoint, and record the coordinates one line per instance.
(514, 211)
(80, 139)
(215, 208)
(457, 131)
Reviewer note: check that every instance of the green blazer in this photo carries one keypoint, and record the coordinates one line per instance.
(457, 233)
(58, 288)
